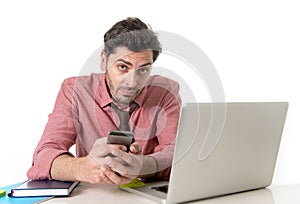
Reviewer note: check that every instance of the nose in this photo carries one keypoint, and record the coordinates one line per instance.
(131, 79)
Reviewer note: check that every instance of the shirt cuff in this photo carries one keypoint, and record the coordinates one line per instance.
(42, 163)
(163, 160)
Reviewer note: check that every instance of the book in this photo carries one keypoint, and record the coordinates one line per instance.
(40, 188)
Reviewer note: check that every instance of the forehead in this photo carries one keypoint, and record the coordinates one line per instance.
(126, 54)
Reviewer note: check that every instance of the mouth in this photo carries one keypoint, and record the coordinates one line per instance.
(128, 93)
(125, 96)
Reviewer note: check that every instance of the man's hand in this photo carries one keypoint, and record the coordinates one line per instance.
(67, 168)
(102, 151)
(89, 170)
(131, 165)
(93, 172)
(124, 163)
(92, 168)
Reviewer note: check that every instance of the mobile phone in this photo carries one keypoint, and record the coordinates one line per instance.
(120, 137)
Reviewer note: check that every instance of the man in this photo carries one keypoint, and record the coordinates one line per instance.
(88, 107)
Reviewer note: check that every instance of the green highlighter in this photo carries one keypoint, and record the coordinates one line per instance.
(2, 193)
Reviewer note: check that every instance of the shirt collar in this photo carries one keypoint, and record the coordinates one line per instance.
(139, 100)
(103, 93)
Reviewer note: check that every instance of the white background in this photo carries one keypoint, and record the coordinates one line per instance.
(254, 46)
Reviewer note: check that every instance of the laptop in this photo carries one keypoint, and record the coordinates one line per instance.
(220, 149)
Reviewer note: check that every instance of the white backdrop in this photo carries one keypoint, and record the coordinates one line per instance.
(254, 46)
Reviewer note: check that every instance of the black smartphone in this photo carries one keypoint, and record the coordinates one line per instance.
(120, 137)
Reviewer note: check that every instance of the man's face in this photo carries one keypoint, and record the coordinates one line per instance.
(126, 73)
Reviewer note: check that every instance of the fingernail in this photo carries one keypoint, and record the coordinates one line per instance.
(132, 149)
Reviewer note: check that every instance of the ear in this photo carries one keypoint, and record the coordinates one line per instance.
(103, 61)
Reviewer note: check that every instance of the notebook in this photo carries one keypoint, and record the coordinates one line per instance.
(221, 148)
(38, 188)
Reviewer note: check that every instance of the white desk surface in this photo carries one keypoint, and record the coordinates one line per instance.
(91, 193)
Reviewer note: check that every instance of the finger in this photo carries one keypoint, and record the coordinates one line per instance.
(125, 157)
(98, 156)
(100, 148)
(120, 147)
(100, 141)
(104, 171)
(129, 166)
(118, 179)
(115, 165)
(136, 148)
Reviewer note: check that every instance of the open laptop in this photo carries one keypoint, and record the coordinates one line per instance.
(221, 148)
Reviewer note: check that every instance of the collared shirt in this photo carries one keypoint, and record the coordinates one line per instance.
(82, 114)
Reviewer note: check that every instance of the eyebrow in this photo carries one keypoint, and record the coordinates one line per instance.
(130, 64)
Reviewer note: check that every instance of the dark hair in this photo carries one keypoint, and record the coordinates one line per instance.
(133, 34)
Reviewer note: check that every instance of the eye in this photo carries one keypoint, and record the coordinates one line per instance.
(122, 67)
(143, 70)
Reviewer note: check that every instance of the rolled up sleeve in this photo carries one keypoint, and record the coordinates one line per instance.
(59, 134)
(167, 125)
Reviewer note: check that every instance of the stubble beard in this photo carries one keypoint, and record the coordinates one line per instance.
(122, 100)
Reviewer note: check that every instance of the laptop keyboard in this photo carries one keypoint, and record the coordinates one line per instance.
(161, 188)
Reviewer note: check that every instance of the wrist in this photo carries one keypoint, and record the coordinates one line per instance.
(149, 168)
(62, 168)
(76, 167)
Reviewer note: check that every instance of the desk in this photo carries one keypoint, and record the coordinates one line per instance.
(95, 194)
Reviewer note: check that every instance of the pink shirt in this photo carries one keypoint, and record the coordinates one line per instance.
(82, 114)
